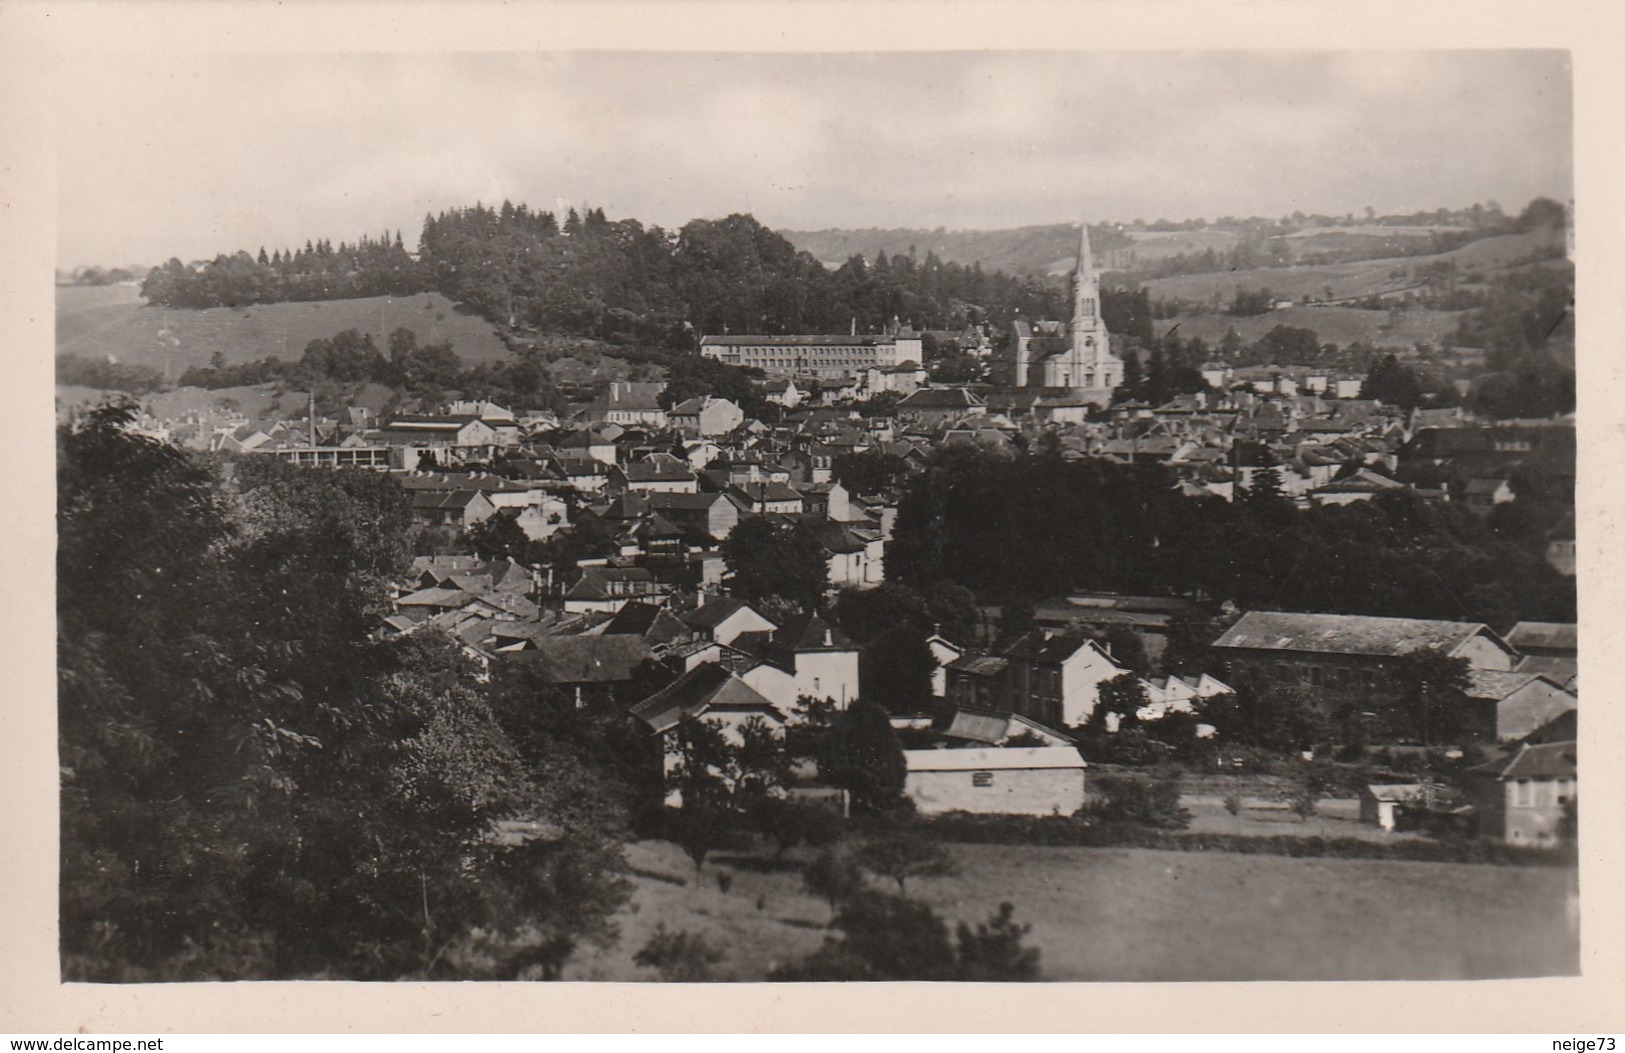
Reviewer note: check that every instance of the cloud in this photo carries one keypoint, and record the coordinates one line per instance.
(196, 156)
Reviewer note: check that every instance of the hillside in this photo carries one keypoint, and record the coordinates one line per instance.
(1050, 249)
(1356, 279)
(1334, 325)
(98, 322)
(259, 402)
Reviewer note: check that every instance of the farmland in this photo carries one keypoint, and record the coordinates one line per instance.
(97, 322)
(1136, 914)
(1337, 325)
(1356, 279)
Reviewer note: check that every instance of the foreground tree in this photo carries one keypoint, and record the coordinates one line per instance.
(253, 786)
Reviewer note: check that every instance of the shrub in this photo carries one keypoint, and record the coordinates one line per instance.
(1141, 800)
(679, 957)
(993, 951)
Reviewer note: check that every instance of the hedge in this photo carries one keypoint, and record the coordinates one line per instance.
(1061, 830)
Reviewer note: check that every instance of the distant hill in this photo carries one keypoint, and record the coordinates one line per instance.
(1359, 278)
(1332, 325)
(102, 321)
(1051, 249)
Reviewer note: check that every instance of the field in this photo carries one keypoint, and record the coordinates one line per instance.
(97, 322)
(1336, 325)
(1356, 279)
(257, 403)
(1135, 915)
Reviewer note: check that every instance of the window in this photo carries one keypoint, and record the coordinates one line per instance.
(982, 780)
(1522, 797)
(1314, 675)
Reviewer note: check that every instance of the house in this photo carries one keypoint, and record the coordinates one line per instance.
(823, 659)
(710, 516)
(1546, 639)
(705, 415)
(856, 556)
(945, 651)
(607, 589)
(588, 444)
(662, 476)
(712, 693)
(654, 624)
(783, 392)
(767, 498)
(1034, 780)
(1345, 658)
(454, 508)
(977, 681)
(1178, 694)
(1482, 495)
(462, 437)
(630, 403)
(1516, 703)
(938, 404)
(1523, 797)
(1055, 678)
(724, 618)
(593, 668)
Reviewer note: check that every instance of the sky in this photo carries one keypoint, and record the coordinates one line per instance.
(192, 156)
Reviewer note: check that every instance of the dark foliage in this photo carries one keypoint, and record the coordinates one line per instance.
(1033, 527)
(253, 786)
(860, 754)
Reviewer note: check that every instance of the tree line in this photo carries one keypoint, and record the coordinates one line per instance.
(319, 271)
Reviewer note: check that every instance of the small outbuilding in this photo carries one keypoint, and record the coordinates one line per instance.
(1037, 780)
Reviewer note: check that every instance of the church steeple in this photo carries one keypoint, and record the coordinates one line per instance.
(1085, 288)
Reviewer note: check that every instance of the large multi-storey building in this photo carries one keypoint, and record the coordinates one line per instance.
(824, 357)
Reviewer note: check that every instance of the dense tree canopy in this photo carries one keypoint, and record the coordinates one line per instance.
(254, 786)
(1035, 526)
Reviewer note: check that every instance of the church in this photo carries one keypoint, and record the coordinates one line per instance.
(1076, 361)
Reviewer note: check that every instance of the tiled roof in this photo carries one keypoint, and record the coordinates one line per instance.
(1347, 633)
(587, 659)
(715, 612)
(841, 340)
(980, 664)
(1035, 646)
(1545, 636)
(941, 398)
(1550, 760)
(701, 690)
(809, 632)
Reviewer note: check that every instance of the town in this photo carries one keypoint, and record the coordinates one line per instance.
(806, 611)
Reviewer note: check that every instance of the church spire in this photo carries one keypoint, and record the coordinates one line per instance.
(1085, 286)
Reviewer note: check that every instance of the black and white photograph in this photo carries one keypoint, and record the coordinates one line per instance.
(731, 515)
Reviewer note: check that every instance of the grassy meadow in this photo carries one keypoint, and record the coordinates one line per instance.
(102, 321)
(1139, 915)
(1336, 325)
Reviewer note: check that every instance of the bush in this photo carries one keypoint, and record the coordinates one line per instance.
(681, 956)
(1141, 800)
(790, 822)
(1091, 831)
(888, 937)
(993, 951)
